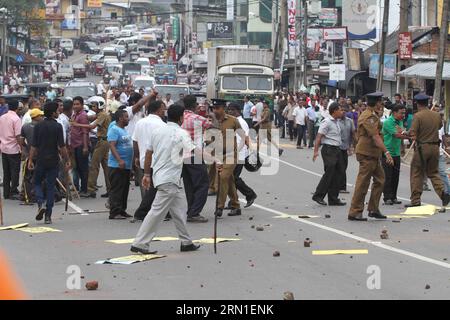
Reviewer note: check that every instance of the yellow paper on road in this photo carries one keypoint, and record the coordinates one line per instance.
(13, 227)
(332, 252)
(129, 241)
(399, 216)
(211, 240)
(426, 210)
(131, 259)
(38, 230)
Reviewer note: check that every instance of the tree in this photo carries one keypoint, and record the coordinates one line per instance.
(24, 19)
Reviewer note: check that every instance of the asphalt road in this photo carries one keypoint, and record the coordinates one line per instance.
(406, 263)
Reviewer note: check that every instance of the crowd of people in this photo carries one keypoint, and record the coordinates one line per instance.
(162, 145)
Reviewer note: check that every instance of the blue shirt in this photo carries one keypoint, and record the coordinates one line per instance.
(247, 108)
(124, 146)
(4, 109)
(311, 113)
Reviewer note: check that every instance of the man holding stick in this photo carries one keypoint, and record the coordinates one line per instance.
(48, 143)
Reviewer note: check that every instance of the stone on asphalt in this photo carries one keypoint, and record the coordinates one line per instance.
(92, 285)
(288, 296)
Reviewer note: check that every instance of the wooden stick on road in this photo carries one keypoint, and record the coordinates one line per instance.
(407, 152)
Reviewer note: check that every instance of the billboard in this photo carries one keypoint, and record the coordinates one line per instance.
(337, 72)
(320, 49)
(219, 30)
(52, 8)
(335, 34)
(405, 45)
(390, 66)
(292, 32)
(94, 3)
(359, 16)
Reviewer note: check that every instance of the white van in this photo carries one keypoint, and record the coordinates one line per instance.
(68, 45)
(112, 32)
(128, 30)
(130, 43)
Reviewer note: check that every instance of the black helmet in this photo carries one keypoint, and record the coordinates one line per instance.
(253, 162)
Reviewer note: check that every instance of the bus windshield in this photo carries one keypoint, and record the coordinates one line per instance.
(165, 69)
(147, 43)
(259, 83)
(230, 82)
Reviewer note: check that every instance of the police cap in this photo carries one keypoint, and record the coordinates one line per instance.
(374, 97)
(218, 103)
(422, 97)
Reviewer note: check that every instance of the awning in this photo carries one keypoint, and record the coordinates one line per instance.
(425, 70)
(25, 58)
(349, 75)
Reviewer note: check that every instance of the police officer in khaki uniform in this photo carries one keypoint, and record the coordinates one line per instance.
(266, 124)
(368, 153)
(425, 163)
(229, 150)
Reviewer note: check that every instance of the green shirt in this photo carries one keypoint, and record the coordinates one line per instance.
(392, 143)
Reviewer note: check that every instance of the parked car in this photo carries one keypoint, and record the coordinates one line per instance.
(128, 30)
(89, 38)
(122, 50)
(111, 52)
(79, 70)
(89, 47)
(85, 89)
(145, 82)
(65, 71)
(112, 32)
(67, 44)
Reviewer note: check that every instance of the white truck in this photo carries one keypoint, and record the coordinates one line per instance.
(237, 71)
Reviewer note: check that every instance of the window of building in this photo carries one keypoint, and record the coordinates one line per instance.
(265, 11)
(114, 15)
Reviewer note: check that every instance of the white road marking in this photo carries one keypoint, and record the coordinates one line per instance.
(75, 207)
(357, 238)
(320, 175)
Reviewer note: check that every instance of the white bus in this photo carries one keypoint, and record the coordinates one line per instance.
(239, 80)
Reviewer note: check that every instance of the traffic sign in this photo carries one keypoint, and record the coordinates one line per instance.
(20, 58)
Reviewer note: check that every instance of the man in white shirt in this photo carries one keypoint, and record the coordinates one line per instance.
(142, 132)
(136, 110)
(300, 116)
(241, 186)
(168, 100)
(100, 89)
(64, 119)
(124, 96)
(256, 112)
(164, 154)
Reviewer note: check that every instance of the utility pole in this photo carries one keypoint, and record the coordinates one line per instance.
(298, 8)
(282, 32)
(441, 56)
(403, 28)
(383, 45)
(304, 43)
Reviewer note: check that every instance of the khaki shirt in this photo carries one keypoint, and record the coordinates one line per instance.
(265, 119)
(369, 124)
(426, 125)
(103, 121)
(229, 123)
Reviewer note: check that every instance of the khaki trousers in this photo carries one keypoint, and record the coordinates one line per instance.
(368, 168)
